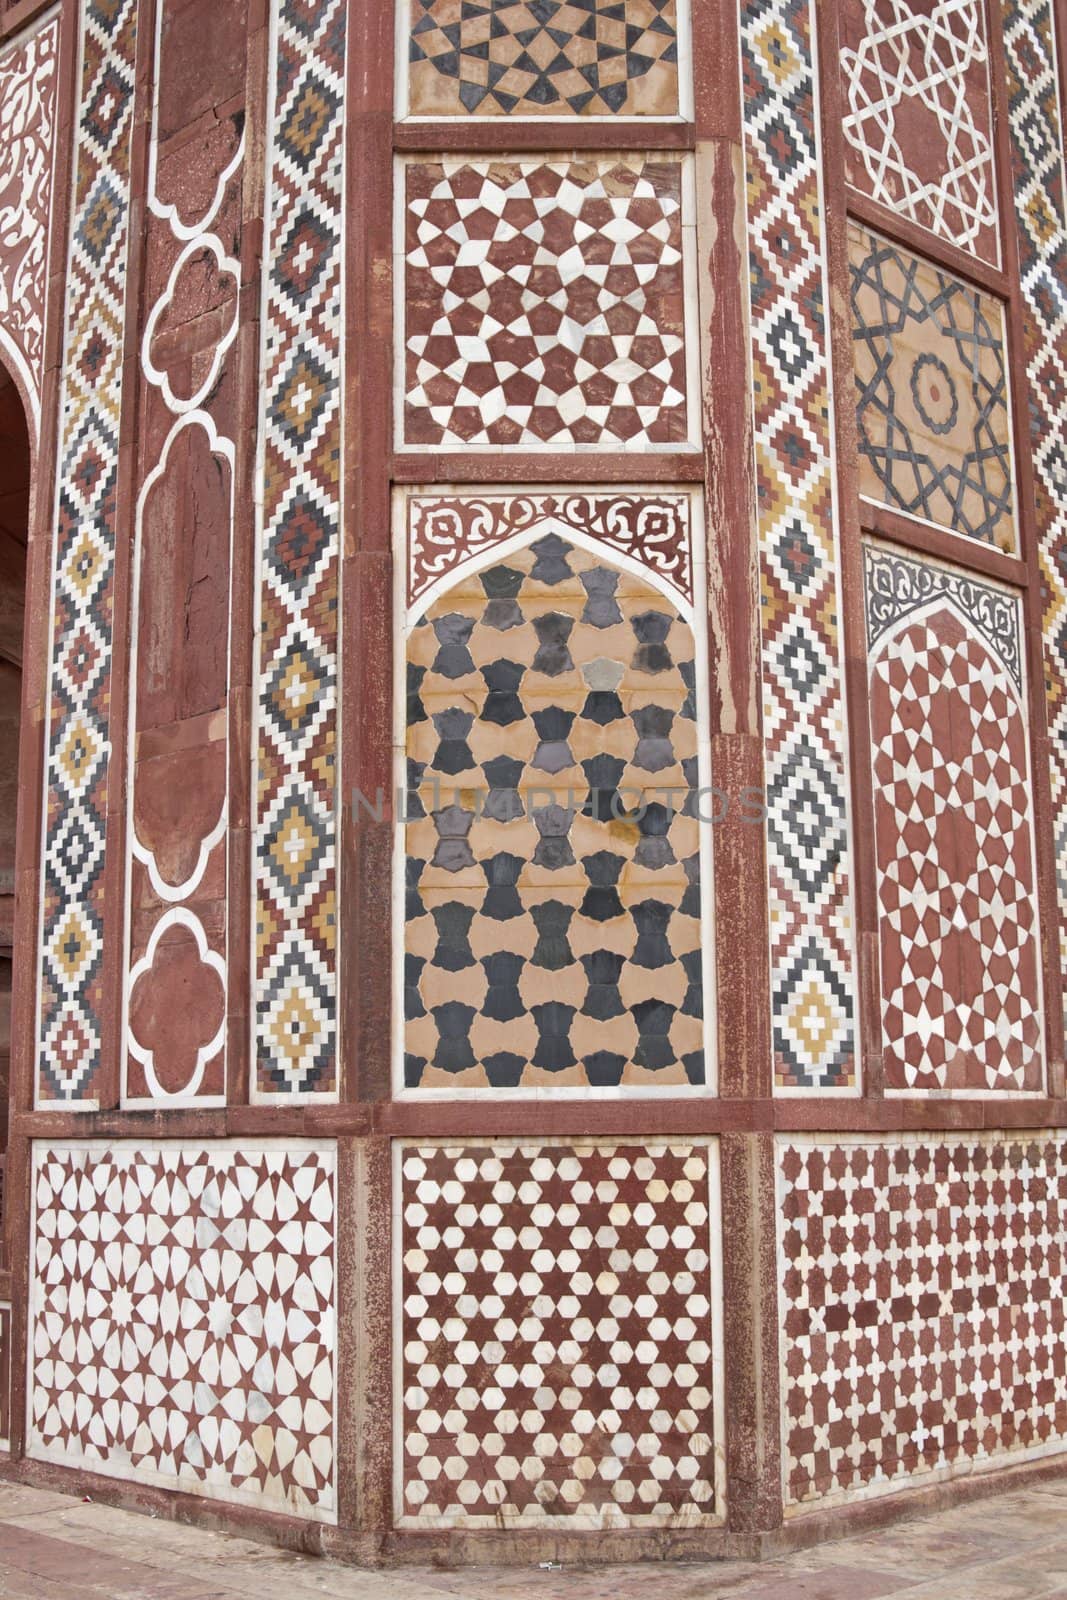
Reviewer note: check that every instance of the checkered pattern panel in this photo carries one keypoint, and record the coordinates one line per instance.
(182, 1318)
(1036, 129)
(923, 1305)
(553, 932)
(555, 1363)
(295, 852)
(919, 124)
(544, 304)
(812, 1005)
(78, 749)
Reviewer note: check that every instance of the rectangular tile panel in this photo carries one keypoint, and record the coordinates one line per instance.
(182, 1317)
(923, 1296)
(919, 119)
(932, 402)
(557, 1343)
(954, 830)
(522, 58)
(546, 302)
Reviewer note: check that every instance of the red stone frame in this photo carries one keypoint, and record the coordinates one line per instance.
(859, 518)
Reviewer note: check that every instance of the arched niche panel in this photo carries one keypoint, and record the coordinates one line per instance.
(953, 829)
(551, 927)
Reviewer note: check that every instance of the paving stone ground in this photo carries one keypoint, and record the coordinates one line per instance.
(1011, 1546)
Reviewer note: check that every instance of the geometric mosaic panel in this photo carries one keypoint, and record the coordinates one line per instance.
(931, 393)
(923, 1307)
(27, 149)
(182, 1320)
(1036, 129)
(556, 1361)
(552, 850)
(960, 957)
(295, 851)
(543, 58)
(812, 1002)
(544, 302)
(78, 746)
(919, 126)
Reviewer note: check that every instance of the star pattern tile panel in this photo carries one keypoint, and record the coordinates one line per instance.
(556, 1358)
(953, 817)
(552, 850)
(1040, 203)
(182, 1318)
(923, 1308)
(544, 302)
(919, 124)
(809, 877)
(931, 393)
(536, 58)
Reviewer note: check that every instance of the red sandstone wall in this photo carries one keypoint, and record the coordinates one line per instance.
(644, 445)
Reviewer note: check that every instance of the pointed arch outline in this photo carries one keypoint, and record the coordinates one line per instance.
(405, 618)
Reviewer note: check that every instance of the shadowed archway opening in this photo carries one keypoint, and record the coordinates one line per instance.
(14, 530)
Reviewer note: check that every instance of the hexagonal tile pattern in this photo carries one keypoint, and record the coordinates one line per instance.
(556, 1362)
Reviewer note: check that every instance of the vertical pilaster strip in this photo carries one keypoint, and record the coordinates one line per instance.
(1040, 197)
(78, 728)
(294, 958)
(812, 989)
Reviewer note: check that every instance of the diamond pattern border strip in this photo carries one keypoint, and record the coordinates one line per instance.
(295, 863)
(1035, 125)
(812, 994)
(78, 749)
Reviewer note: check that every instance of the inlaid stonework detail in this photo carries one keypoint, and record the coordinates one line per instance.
(447, 529)
(27, 140)
(543, 58)
(556, 1362)
(544, 302)
(931, 393)
(78, 730)
(812, 1001)
(960, 958)
(191, 419)
(1036, 127)
(553, 851)
(182, 1318)
(923, 1296)
(299, 555)
(919, 125)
